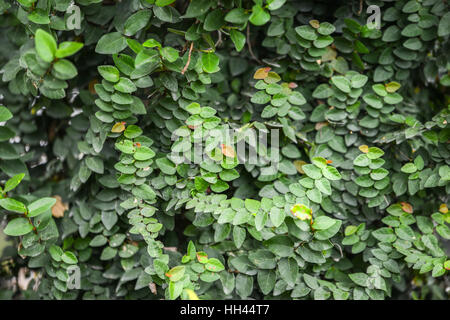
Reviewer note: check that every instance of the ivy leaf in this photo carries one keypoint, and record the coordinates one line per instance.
(109, 73)
(259, 16)
(238, 39)
(323, 223)
(176, 273)
(45, 45)
(40, 206)
(68, 48)
(111, 43)
(13, 182)
(18, 227)
(13, 205)
(5, 114)
(137, 21)
(214, 265)
(210, 62)
(69, 257)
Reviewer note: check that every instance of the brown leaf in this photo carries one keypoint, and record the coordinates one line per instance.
(407, 207)
(298, 164)
(152, 287)
(228, 151)
(92, 86)
(320, 125)
(59, 207)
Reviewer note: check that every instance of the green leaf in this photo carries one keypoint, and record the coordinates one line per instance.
(13, 182)
(266, 280)
(45, 45)
(5, 114)
(444, 25)
(69, 258)
(384, 235)
(326, 28)
(409, 168)
(39, 16)
(252, 205)
(13, 205)
(331, 173)
(323, 185)
(125, 85)
(64, 70)
(18, 227)
(238, 39)
(362, 160)
(288, 269)
(360, 279)
(306, 32)
(56, 253)
(109, 73)
(40, 206)
(237, 15)
(314, 195)
(176, 273)
(323, 223)
(341, 83)
(68, 48)
(95, 164)
(166, 166)
(163, 3)
(214, 265)
(281, 246)
(259, 16)
(137, 21)
(170, 54)
(210, 62)
(111, 43)
(375, 153)
(197, 8)
(312, 171)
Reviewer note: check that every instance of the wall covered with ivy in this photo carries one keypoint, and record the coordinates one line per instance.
(224, 149)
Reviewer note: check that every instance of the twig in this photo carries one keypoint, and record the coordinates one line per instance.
(189, 59)
(360, 7)
(219, 40)
(250, 46)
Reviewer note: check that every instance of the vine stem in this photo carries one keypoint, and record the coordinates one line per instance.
(250, 46)
(189, 59)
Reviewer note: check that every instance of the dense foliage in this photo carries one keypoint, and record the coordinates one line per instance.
(107, 107)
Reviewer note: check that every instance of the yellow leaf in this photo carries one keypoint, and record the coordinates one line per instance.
(364, 148)
(118, 127)
(298, 164)
(191, 294)
(315, 24)
(228, 151)
(301, 212)
(392, 86)
(443, 208)
(261, 73)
